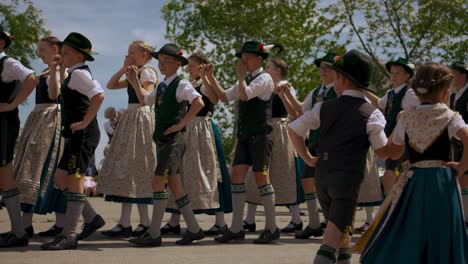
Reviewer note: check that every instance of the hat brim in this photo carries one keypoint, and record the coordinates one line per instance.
(179, 58)
(6, 38)
(263, 54)
(351, 78)
(318, 61)
(460, 69)
(407, 68)
(86, 54)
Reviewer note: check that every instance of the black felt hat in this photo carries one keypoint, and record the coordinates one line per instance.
(459, 66)
(356, 66)
(253, 46)
(171, 50)
(80, 43)
(6, 36)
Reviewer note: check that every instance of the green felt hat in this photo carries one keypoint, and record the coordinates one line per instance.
(171, 50)
(330, 57)
(80, 43)
(356, 66)
(409, 67)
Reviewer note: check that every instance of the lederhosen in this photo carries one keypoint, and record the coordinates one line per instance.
(253, 128)
(9, 121)
(79, 146)
(393, 107)
(314, 135)
(342, 150)
(169, 148)
(461, 106)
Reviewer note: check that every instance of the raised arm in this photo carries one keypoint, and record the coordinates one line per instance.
(294, 103)
(206, 71)
(216, 88)
(281, 90)
(115, 82)
(54, 80)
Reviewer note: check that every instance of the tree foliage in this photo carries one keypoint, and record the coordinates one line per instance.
(24, 22)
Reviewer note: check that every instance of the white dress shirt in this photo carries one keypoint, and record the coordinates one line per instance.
(13, 70)
(82, 82)
(262, 87)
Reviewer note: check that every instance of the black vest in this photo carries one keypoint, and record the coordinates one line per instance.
(42, 91)
(393, 107)
(343, 141)
(278, 110)
(254, 116)
(74, 104)
(132, 96)
(439, 150)
(8, 90)
(208, 109)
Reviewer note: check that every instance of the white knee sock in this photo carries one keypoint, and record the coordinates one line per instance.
(143, 212)
(251, 211)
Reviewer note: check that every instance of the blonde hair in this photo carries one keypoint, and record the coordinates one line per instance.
(143, 46)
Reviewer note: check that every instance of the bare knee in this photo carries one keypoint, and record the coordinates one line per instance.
(158, 184)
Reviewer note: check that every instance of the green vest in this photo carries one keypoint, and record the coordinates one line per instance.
(392, 109)
(167, 110)
(254, 117)
(314, 135)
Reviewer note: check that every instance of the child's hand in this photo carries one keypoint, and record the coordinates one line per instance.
(132, 75)
(173, 129)
(4, 107)
(311, 161)
(208, 69)
(77, 126)
(56, 61)
(128, 62)
(457, 166)
(241, 70)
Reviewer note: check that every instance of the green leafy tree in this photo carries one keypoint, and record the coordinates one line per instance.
(418, 30)
(24, 22)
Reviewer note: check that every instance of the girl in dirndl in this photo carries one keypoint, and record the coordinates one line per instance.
(421, 220)
(128, 168)
(40, 147)
(204, 171)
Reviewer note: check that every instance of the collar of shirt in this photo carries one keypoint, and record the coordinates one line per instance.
(460, 92)
(430, 106)
(256, 72)
(169, 79)
(354, 93)
(75, 66)
(329, 86)
(398, 88)
(3, 54)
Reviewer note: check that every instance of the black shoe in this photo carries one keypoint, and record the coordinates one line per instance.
(90, 228)
(61, 242)
(266, 237)
(167, 228)
(122, 232)
(215, 230)
(293, 228)
(227, 235)
(53, 231)
(11, 240)
(362, 228)
(308, 232)
(189, 237)
(143, 230)
(250, 227)
(29, 231)
(146, 240)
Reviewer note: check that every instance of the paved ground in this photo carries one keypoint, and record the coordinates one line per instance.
(98, 249)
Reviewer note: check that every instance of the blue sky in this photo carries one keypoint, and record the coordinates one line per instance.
(111, 26)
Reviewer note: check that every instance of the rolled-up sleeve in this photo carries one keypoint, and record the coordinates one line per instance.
(375, 130)
(232, 93)
(261, 87)
(186, 92)
(382, 102)
(310, 120)
(81, 81)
